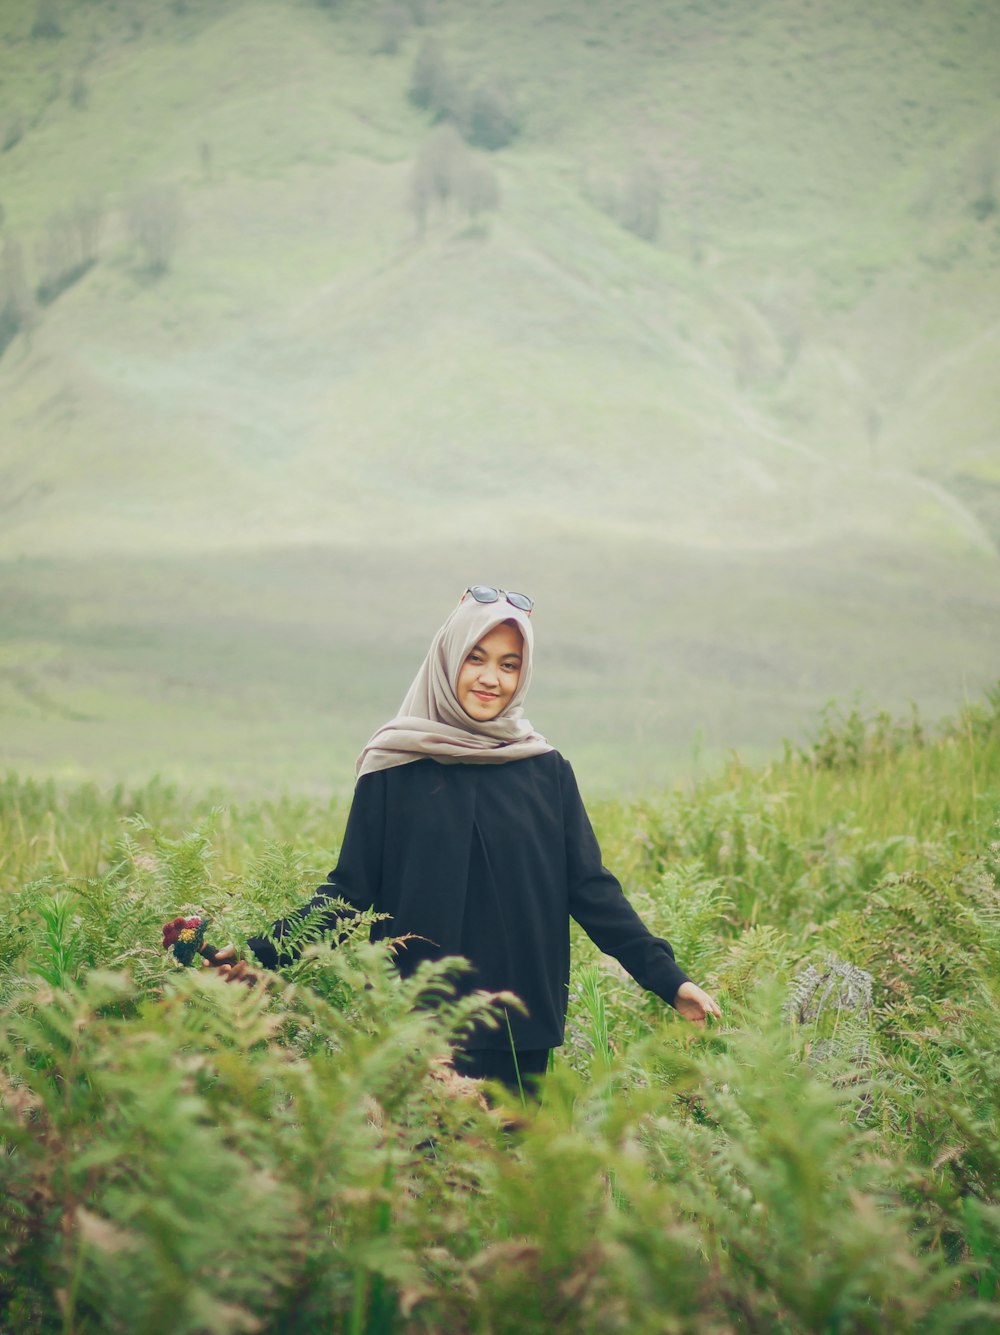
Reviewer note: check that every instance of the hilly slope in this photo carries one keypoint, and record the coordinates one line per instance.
(717, 376)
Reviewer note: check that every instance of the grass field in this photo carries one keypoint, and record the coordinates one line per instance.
(185, 1156)
(258, 673)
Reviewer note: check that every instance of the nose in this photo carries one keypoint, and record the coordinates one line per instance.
(488, 674)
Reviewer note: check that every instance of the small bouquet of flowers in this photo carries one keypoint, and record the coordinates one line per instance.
(186, 937)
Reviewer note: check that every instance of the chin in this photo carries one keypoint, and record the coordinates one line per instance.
(480, 713)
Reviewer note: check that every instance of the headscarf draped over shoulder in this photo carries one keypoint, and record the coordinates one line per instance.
(432, 723)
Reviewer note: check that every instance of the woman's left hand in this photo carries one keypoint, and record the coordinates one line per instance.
(694, 1004)
(228, 965)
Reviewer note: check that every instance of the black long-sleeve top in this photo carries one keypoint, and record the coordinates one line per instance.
(488, 862)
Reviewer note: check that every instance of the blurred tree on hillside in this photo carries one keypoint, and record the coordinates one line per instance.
(492, 120)
(69, 247)
(633, 200)
(13, 132)
(986, 169)
(445, 169)
(46, 24)
(484, 112)
(435, 170)
(784, 312)
(640, 201)
(79, 93)
(477, 189)
(17, 306)
(429, 81)
(395, 22)
(154, 223)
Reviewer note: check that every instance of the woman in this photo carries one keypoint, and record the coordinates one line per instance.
(467, 828)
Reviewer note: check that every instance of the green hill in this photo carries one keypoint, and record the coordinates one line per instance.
(716, 380)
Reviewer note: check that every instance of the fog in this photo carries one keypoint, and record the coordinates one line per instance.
(682, 321)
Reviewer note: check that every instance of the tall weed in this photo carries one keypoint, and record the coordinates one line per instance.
(182, 1155)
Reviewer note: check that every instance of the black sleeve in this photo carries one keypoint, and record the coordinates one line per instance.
(598, 903)
(355, 878)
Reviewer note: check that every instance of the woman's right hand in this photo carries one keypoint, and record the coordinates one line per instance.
(230, 967)
(695, 1004)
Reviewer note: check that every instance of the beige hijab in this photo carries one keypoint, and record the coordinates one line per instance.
(431, 722)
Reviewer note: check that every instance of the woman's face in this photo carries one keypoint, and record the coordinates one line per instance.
(489, 676)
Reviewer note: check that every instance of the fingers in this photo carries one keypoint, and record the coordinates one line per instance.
(240, 972)
(226, 955)
(695, 1004)
(228, 965)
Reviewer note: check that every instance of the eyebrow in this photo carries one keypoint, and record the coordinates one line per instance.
(478, 649)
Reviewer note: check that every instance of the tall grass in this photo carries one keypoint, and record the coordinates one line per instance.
(182, 1155)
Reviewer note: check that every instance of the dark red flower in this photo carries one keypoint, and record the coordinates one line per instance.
(185, 937)
(173, 929)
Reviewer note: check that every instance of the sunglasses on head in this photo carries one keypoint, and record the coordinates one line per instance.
(485, 593)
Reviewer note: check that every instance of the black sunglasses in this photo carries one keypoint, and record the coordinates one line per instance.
(485, 593)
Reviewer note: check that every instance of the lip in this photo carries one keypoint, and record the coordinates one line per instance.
(485, 696)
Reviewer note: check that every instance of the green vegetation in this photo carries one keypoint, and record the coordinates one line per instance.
(185, 1156)
(700, 315)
